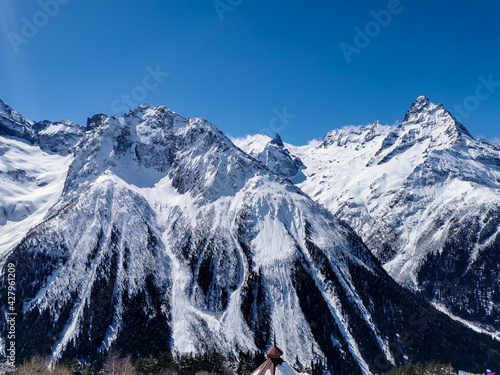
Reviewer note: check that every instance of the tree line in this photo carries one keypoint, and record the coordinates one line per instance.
(211, 363)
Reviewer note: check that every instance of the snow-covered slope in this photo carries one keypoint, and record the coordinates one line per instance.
(424, 196)
(169, 237)
(34, 160)
(31, 182)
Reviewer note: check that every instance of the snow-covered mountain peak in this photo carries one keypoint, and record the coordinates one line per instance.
(149, 143)
(424, 196)
(426, 127)
(420, 103)
(427, 115)
(146, 110)
(161, 116)
(424, 112)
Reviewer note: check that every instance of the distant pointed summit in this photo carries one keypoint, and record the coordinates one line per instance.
(419, 105)
(278, 159)
(425, 113)
(421, 100)
(277, 141)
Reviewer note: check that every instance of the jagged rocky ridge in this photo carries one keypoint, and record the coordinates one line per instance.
(424, 196)
(168, 237)
(55, 137)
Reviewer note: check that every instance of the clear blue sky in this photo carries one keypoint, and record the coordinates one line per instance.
(262, 55)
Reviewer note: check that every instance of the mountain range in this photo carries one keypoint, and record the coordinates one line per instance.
(424, 196)
(152, 232)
